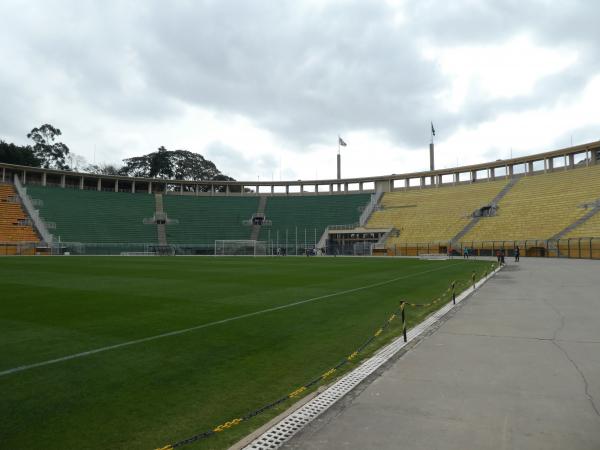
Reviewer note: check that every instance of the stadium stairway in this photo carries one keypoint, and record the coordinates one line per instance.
(494, 203)
(14, 222)
(433, 214)
(262, 204)
(586, 226)
(542, 206)
(203, 220)
(161, 228)
(307, 216)
(89, 216)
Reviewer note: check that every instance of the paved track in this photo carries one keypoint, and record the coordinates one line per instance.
(516, 367)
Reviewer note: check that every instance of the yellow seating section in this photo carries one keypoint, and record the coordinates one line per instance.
(434, 214)
(540, 206)
(10, 214)
(590, 228)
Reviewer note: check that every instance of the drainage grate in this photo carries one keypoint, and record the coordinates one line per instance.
(289, 426)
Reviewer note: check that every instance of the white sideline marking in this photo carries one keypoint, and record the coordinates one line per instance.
(206, 325)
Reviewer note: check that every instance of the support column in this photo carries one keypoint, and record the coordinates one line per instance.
(149, 187)
(360, 186)
(116, 185)
(529, 167)
(272, 189)
(4, 175)
(330, 188)
(456, 177)
(345, 187)
(133, 187)
(492, 174)
(473, 176)
(43, 177)
(439, 180)
(24, 177)
(181, 188)
(594, 155)
(422, 182)
(62, 181)
(406, 183)
(287, 189)
(227, 189)
(81, 183)
(510, 170)
(99, 184)
(550, 164)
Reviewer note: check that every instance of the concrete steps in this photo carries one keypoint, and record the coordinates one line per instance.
(494, 201)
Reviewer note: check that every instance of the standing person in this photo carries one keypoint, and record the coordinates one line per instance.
(498, 257)
(502, 257)
(466, 253)
(517, 254)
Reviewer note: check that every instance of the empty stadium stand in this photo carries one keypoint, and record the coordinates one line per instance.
(540, 206)
(312, 213)
(14, 223)
(202, 220)
(434, 214)
(99, 217)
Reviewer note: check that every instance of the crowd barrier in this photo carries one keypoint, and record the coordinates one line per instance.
(448, 295)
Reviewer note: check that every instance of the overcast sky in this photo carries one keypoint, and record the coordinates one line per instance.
(263, 88)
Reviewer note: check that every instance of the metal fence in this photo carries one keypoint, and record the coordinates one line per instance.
(581, 248)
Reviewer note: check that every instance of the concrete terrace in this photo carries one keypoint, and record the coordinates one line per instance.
(516, 366)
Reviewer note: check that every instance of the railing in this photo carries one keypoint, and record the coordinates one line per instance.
(371, 206)
(32, 212)
(579, 248)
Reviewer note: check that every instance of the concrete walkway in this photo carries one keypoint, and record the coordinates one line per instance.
(517, 366)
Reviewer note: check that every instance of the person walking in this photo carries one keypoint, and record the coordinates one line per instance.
(517, 254)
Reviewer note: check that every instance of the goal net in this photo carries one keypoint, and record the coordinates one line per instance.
(240, 248)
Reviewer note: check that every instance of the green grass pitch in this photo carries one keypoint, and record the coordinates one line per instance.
(156, 392)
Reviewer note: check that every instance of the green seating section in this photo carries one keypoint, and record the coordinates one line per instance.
(92, 216)
(202, 220)
(311, 213)
(110, 217)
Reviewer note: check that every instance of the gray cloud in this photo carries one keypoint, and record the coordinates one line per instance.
(305, 71)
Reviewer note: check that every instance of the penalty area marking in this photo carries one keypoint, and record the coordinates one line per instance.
(210, 324)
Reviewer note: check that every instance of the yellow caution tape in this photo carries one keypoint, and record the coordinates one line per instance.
(227, 425)
(297, 392)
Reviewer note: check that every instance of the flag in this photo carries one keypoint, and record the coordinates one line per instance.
(432, 129)
(341, 142)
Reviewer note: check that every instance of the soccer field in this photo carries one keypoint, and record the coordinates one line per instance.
(139, 352)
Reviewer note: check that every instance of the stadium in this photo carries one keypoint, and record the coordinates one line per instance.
(171, 313)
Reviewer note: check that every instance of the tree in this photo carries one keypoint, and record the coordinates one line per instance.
(103, 169)
(51, 154)
(177, 164)
(15, 154)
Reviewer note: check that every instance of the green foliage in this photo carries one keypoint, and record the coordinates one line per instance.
(51, 154)
(146, 395)
(175, 164)
(15, 154)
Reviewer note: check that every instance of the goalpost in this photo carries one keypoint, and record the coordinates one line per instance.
(233, 247)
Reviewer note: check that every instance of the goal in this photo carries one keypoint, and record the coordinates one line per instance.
(240, 248)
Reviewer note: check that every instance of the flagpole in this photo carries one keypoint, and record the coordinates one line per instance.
(431, 155)
(339, 162)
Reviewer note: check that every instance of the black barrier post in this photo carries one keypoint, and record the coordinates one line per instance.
(403, 321)
(453, 293)
(473, 278)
